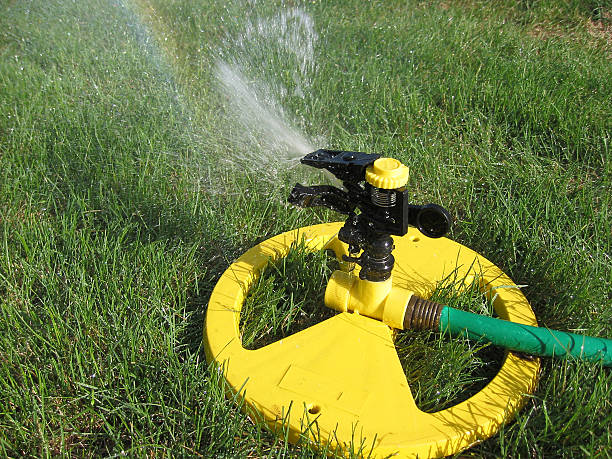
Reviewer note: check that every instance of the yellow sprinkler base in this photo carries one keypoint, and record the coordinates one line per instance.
(340, 382)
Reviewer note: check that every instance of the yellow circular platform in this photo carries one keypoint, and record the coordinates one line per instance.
(340, 382)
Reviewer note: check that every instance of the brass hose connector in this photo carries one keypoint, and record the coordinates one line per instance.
(422, 314)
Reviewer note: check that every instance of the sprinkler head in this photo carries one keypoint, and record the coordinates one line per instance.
(375, 199)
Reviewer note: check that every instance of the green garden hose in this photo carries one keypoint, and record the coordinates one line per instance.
(537, 341)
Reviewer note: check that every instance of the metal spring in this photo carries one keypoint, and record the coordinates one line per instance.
(383, 198)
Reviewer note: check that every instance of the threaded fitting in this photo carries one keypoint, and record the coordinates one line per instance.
(422, 314)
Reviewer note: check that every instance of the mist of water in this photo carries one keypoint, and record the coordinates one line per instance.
(264, 64)
(262, 127)
(248, 74)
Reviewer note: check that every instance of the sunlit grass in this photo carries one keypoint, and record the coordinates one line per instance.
(287, 298)
(118, 212)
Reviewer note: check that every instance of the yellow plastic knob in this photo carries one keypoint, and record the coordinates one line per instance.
(387, 173)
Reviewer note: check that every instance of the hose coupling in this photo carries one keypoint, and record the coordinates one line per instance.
(422, 314)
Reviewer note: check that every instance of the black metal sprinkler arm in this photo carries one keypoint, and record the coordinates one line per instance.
(381, 212)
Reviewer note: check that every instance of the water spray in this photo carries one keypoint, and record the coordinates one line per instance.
(340, 382)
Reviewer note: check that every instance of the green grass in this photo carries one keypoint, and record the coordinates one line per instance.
(287, 298)
(118, 215)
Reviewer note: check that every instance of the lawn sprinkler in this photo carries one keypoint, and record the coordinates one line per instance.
(340, 382)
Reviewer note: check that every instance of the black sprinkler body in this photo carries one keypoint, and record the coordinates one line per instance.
(374, 212)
